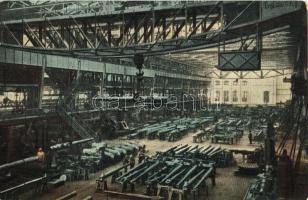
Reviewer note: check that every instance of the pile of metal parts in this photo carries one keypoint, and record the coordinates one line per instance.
(21, 176)
(221, 157)
(171, 130)
(258, 134)
(228, 131)
(181, 170)
(78, 166)
(258, 118)
(253, 161)
(263, 188)
(202, 135)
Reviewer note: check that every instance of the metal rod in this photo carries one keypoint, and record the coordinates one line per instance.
(18, 162)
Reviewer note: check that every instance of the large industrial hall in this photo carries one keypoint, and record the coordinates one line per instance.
(153, 100)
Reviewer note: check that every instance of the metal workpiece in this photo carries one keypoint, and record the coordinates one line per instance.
(186, 176)
(156, 175)
(264, 186)
(121, 150)
(14, 191)
(177, 168)
(138, 167)
(89, 159)
(209, 154)
(19, 162)
(208, 149)
(182, 150)
(183, 167)
(69, 144)
(209, 172)
(135, 173)
(150, 168)
(188, 183)
(175, 148)
(113, 151)
(171, 130)
(109, 155)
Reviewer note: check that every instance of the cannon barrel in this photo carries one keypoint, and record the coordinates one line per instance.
(68, 144)
(18, 162)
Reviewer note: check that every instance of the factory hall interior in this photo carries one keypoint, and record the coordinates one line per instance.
(153, 100)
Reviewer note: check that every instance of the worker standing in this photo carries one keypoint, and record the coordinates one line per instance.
(41, 155)
(284, 174)
(250, 136)
(41, 158)
(213, 176)
(141, 154)
(125, 162)
(132, 161)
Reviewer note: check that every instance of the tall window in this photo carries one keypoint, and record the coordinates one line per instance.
(244, 83)
(226, 96)
(234, 96)
(217, 82)
(226, 83)
(266, 97)
(245, 96)
(217, 97)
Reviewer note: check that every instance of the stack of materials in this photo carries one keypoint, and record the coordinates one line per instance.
(221, 157)
(87, 161)
(228, 131)
(163, 171)
(182, 169)
(263, 187)
(171, 130)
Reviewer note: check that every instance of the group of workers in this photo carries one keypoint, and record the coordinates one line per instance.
(130, 159)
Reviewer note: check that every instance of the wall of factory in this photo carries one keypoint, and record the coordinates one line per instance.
(250, 91)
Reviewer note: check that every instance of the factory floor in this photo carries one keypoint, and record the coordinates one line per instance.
(228, 186)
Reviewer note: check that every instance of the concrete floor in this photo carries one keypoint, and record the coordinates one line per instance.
(228, 186)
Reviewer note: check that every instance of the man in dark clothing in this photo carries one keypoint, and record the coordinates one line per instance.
(250, 137)
(132, 161)
(125, 162)
(284, 174)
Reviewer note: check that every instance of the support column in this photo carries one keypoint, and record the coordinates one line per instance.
(153, 25)
(164, 27)
(145, 29)
(41, 85)
(103, 80)
(85, 30)
(135, 31)
(102, 83)
(109, 33)
(75, 96)
(186, 21)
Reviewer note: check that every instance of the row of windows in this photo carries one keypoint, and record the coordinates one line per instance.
(234, 96)
(244, 96)
(233, 82)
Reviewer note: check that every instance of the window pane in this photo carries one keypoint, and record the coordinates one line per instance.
(234, 96)
(217, 98)
(266, 96)
(226, 96)
(245, 96)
